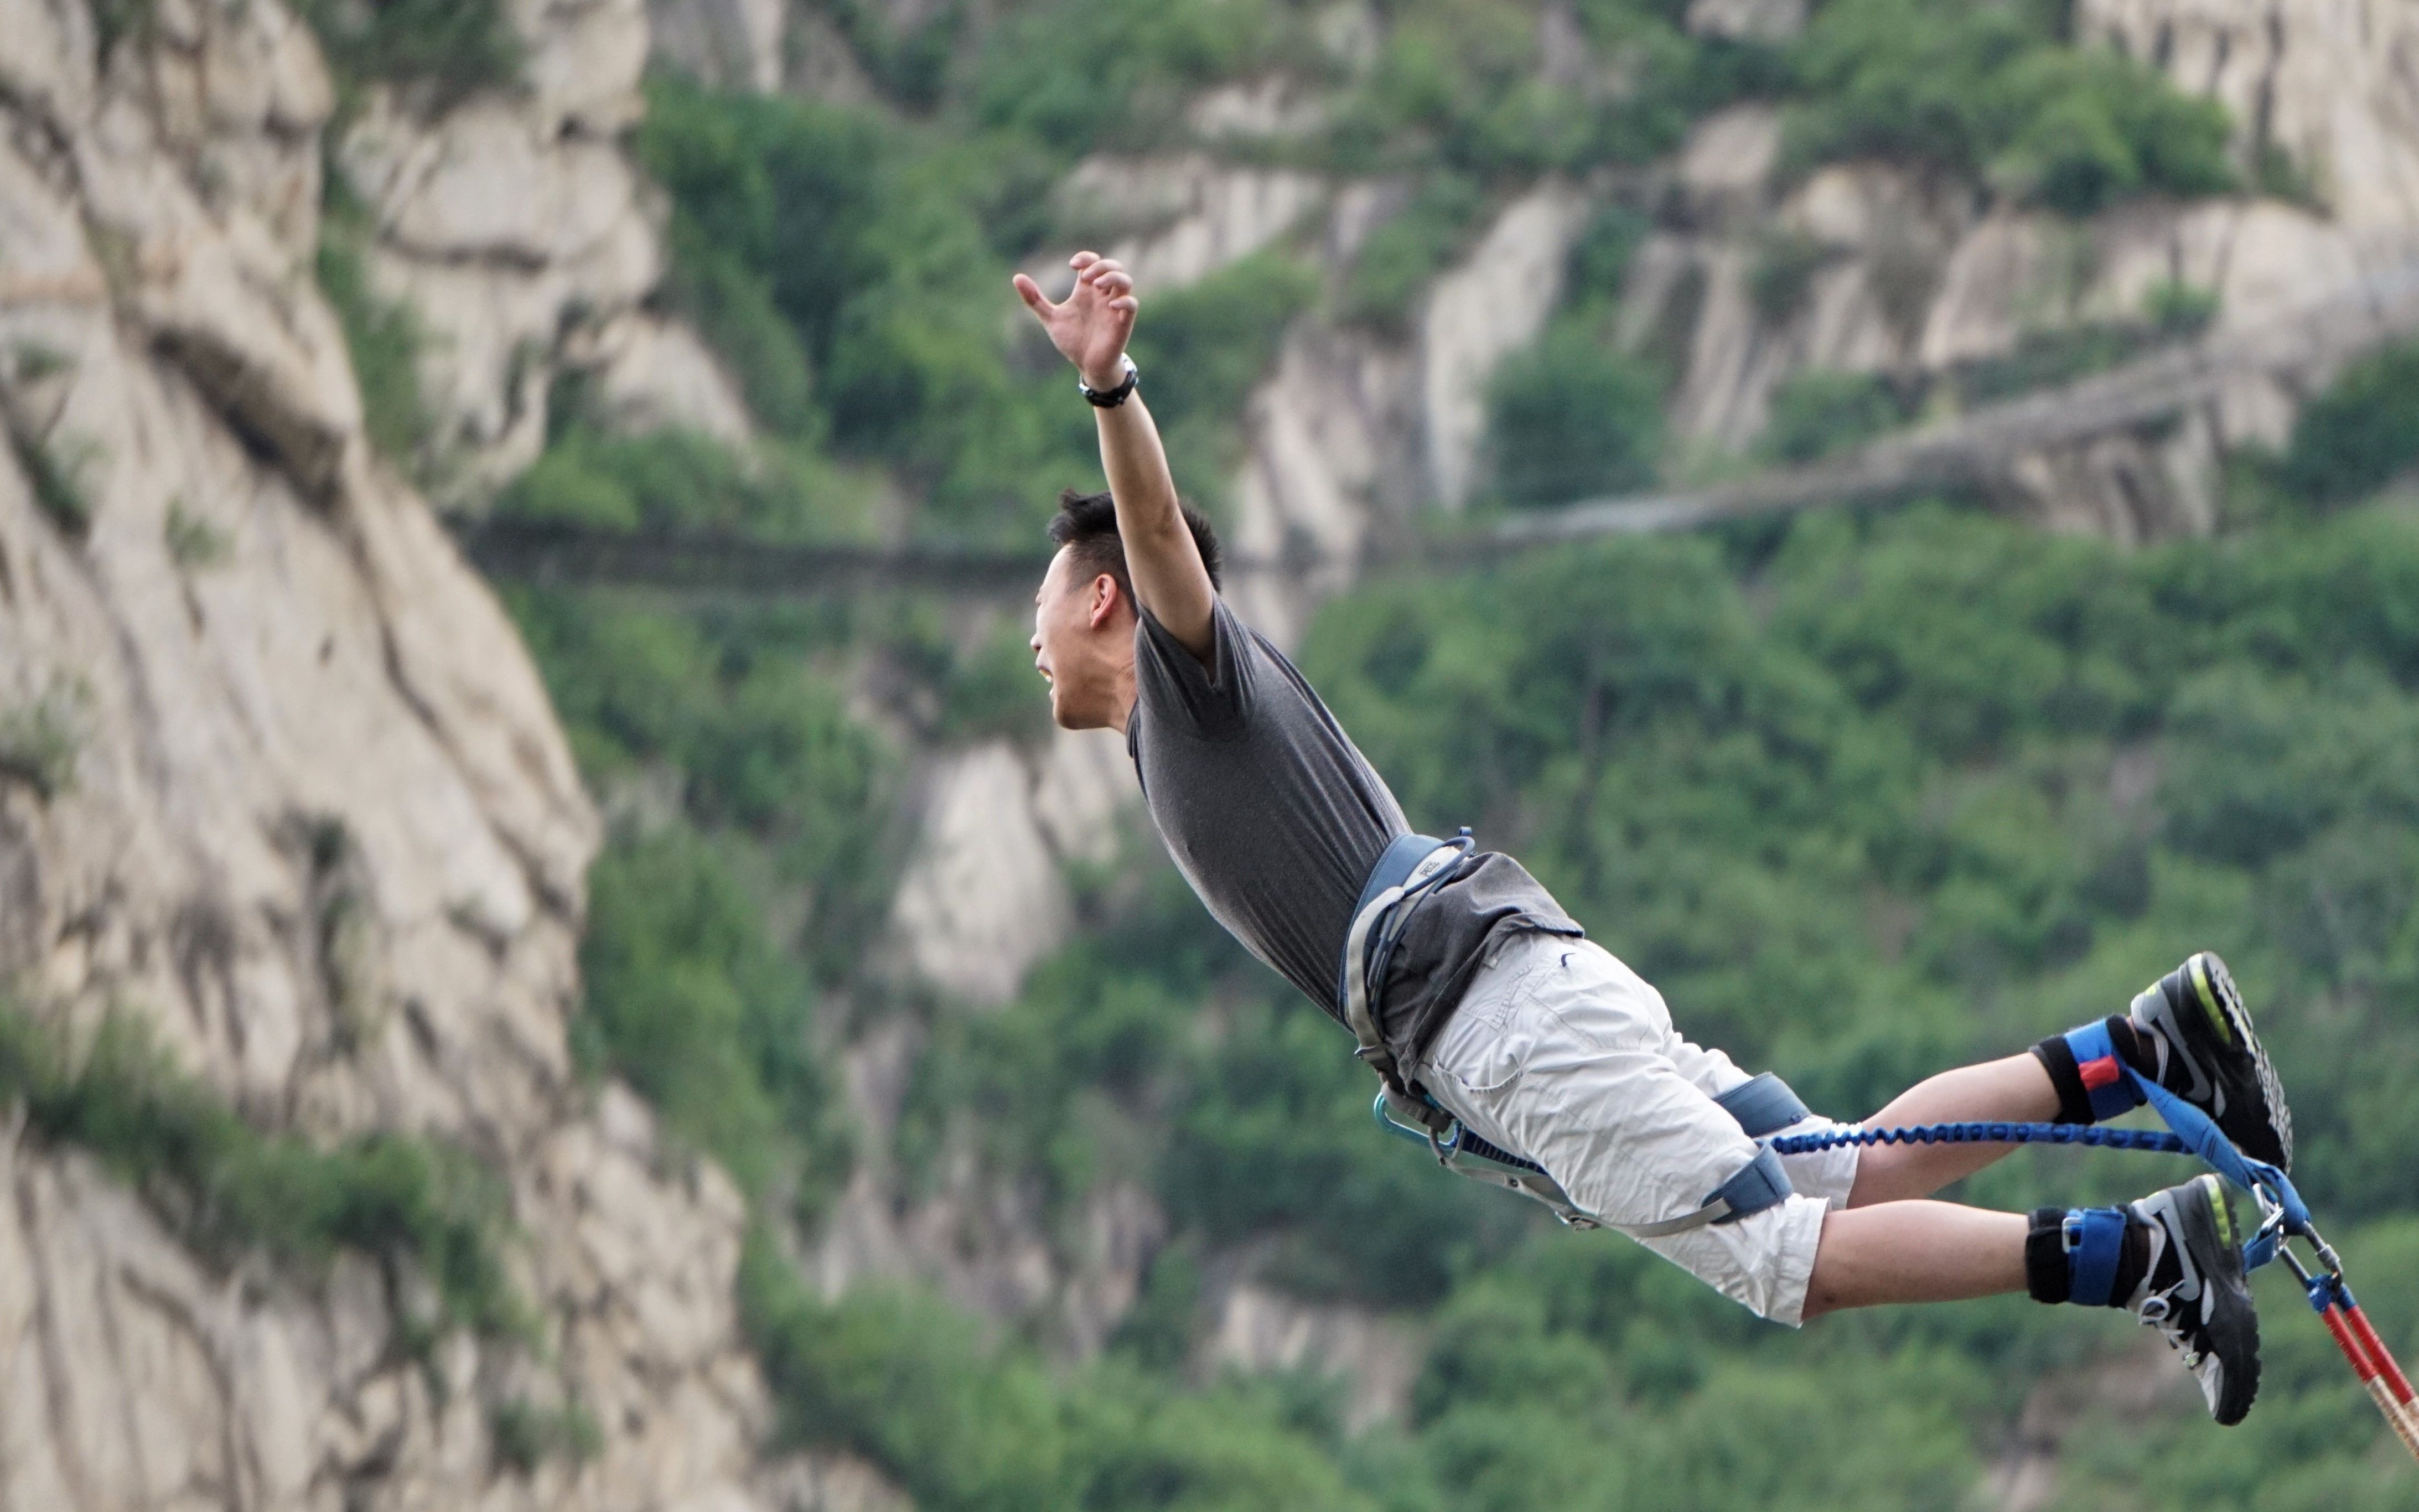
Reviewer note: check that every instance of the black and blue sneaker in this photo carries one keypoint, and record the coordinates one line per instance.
(2196, 1293)
(2174, 1261)
(2193, 1025)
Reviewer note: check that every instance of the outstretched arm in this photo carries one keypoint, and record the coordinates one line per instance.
(1090, 329)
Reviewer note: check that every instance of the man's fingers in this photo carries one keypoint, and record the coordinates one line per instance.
(1125, 306)
(1033, 298)
(1083, 260)
(1114, 282)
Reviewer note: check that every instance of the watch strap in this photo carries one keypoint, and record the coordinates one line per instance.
(1111, 398)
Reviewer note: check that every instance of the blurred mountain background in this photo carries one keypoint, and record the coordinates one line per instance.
(556, 1044)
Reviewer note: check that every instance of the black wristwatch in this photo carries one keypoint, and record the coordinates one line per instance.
(1111, 398)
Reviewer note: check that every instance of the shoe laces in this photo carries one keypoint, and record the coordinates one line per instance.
(2175, 1325)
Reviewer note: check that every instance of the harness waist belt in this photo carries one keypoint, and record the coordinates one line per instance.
(1410, 866)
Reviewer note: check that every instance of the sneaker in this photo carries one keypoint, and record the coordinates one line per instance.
(2207, 1055)
(2195, 1294)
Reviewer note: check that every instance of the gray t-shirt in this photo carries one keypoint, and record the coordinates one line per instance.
(1275, 819)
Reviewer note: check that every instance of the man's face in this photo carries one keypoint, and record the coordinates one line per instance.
(1083, 642)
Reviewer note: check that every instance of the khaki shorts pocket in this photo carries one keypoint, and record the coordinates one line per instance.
(1488, 1042)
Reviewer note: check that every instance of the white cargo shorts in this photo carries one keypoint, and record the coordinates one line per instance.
(1561, 1053)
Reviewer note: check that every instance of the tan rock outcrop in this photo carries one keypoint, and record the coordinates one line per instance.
(1379, 1358)
(984, 895)
(1479, 312)
(1903, 275)
(1175, 220)
(2331, 82)
(515, 228)
(734, 44)
(283, 783)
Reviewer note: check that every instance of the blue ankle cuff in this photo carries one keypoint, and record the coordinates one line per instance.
(2111, 1093)
(2094, 1240)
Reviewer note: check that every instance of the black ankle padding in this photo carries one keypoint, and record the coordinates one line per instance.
(2134, 1265)
(2130, 1046)
(2074, 1099)
(2047, 1276)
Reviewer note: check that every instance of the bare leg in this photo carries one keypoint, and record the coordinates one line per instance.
(1914, 1252)
(2013, 1090)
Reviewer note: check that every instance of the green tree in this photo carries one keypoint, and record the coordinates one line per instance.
(1568, 417)
(2361, 432)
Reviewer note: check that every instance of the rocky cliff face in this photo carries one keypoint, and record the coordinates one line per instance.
(1916, 280)
(2329, 83)
(276, 776)
(516, 229)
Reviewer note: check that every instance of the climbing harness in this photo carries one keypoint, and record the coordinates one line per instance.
(1403, 875)
(1763, 1105)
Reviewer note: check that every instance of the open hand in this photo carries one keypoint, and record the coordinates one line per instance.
(1090, 327)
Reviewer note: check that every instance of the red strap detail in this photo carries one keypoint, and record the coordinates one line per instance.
(2395, 1380)
(2099, 1073)
(2361, 1363)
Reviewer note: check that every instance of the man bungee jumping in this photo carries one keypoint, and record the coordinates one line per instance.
(1478, 999)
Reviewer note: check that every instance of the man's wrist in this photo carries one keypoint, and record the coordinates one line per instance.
(1107, 377)
(1110, 395)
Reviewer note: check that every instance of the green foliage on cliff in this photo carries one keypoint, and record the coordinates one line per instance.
(449, 47)
(740, 724)
(1570, 416)
(748, 793)
(841, 262)
(1817, 412)
(969, 1427)
(682, 481)
(1988, 88)
(1075, 76)
(2362, 431)
(383, 336)
(690, 1001)
(1410, 248)
(43, 738)
(228, 1188)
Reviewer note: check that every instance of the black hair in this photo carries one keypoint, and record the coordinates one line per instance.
(1088, 523)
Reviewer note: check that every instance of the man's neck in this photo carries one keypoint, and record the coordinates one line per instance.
(1125, 703)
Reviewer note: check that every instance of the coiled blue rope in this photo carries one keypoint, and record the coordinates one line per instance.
(2189, 1132)
(1984, 1133)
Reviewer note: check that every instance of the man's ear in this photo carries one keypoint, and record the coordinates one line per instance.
(1106, 596)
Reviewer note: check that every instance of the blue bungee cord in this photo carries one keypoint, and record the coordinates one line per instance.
(1983, 1134)
(2284, 1217)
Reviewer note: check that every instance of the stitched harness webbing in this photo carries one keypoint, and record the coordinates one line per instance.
(1409, 867)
